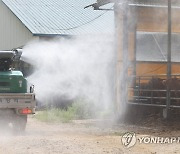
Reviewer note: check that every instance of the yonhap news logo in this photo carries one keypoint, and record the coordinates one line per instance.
(129, 139)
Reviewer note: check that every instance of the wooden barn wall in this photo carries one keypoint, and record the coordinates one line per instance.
(155, 68)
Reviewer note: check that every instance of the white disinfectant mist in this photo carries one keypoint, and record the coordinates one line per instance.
(73, 67)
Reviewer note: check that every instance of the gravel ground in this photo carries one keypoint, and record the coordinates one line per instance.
(84, 136)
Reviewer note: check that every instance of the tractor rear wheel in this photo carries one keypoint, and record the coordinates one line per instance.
(19, 124)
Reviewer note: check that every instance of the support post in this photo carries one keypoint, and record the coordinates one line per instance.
(168, 99)
(118, 50)
(125, 60)
(121, 29)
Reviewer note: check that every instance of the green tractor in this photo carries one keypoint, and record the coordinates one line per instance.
(16, 100)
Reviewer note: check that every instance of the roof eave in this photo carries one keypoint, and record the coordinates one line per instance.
(17, 17)
(51, 35)
(100, 3)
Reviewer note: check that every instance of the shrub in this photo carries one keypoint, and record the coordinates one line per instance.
(80, 109)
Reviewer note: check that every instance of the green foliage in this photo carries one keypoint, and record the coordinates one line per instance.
(55, 115)
(80, 109)
(83, 109)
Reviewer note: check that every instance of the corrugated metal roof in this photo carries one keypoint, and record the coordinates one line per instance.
(66, 17)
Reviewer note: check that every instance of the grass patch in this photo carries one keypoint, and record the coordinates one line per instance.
(54, 115)
(78, 110)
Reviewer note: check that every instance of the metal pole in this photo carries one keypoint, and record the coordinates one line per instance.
(169, 55)
(116, 96)
(135, 49)
(118, 50)
(124, 82)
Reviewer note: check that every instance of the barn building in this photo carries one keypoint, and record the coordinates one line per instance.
(24, 20)
(148, 50)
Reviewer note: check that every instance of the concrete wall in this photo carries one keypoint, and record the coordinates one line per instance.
(13, 33)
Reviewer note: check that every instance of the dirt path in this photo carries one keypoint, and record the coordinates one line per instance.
(81, 137)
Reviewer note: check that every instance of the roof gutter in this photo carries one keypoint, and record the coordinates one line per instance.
(51, 35)
(135, 3)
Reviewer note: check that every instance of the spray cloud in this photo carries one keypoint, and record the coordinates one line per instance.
(76, 67)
